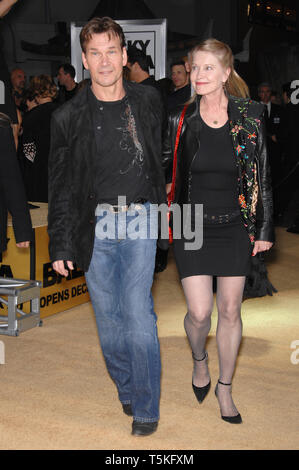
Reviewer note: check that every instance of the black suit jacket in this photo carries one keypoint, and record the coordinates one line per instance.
(72, 169)
(273, 122)
(12, 192)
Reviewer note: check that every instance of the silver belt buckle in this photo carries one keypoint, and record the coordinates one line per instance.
(117, 209)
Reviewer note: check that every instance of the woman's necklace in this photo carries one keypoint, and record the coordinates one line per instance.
(214, 120)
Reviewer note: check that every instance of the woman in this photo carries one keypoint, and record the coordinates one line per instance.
(36, 137)
(222, 164)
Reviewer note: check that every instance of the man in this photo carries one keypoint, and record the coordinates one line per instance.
(181, 83)
(273, 114)
(66, 79)
(106, 147)
(138, 67)
(18, 81)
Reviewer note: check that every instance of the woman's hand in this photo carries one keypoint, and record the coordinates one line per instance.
(23, 244)
(260, 245)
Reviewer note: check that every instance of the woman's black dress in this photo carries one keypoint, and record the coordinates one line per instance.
(226, 248)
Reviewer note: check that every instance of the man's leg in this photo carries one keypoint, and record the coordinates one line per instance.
(103, 281)
(137, 260)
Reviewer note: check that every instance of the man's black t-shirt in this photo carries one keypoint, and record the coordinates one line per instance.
(121, 165)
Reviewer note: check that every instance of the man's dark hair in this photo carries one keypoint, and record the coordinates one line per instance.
(178, 62)
(99, 26)
(137, 55)
(264, 84)
(68, 68)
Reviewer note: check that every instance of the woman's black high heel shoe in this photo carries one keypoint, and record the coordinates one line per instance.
(229, 419)
(201, 392)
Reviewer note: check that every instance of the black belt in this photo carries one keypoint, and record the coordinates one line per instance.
(221, 218)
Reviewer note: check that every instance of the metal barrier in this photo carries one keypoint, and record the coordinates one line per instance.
(19, 291)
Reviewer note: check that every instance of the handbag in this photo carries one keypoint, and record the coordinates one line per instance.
(170, 196)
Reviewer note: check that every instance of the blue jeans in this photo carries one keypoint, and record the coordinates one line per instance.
(119, 281)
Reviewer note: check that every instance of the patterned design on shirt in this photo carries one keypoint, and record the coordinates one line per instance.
(29, 150)
(129, 140)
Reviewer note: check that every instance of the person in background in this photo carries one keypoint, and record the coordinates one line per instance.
(181, 82)
(273, 114)
(12, 192)
(138, 68)
(18, 81)
(66, 79)
(30, 102)
(287, 192)
(35, 140)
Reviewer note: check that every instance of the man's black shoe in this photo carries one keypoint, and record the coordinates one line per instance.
(293, 229)
(127, 409)
(143, 429)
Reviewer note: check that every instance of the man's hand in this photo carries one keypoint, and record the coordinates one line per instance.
(261, 246)
(23, 244)
(58, 266)
(168, 188)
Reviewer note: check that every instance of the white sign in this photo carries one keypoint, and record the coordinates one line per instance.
(2, 92)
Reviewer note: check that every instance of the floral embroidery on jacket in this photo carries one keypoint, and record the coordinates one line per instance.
(244, 130)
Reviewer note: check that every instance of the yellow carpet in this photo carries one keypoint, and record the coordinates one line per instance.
(56, 393)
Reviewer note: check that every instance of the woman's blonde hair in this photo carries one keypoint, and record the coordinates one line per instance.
(235, 85)
(43, 86)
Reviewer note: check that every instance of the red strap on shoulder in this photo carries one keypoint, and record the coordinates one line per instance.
(175, 155)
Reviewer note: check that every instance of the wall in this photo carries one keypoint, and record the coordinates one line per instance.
(180, 14)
